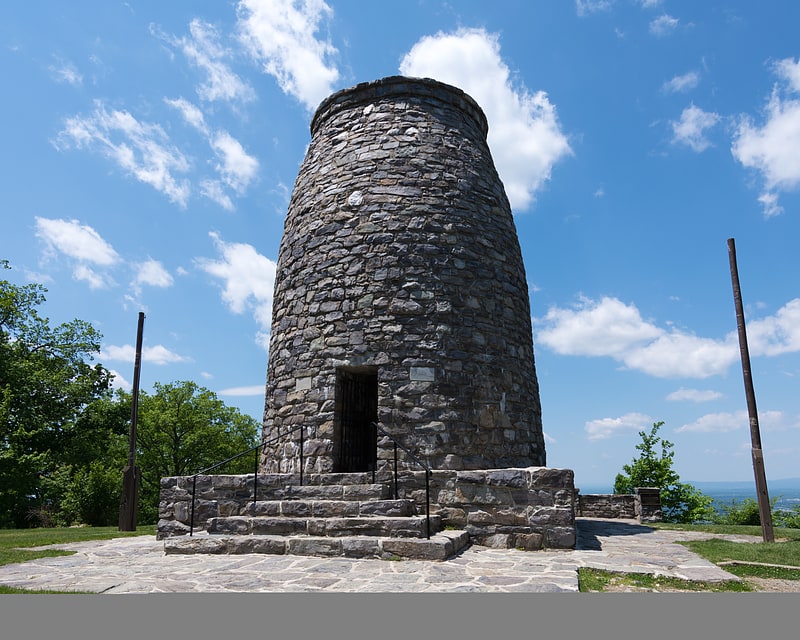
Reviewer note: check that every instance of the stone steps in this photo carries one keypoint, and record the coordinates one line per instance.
(440, 546)
(383, 526)
(358, 491)
(333, 518)
(331, 508)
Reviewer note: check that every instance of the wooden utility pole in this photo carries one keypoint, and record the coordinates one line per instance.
(755, 435)
(130, 474)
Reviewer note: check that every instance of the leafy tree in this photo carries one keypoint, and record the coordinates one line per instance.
(182, 429)
(46, 379)
(680, 502)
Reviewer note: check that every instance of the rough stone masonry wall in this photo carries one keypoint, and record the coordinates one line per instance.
(400, 256)
(503, 508)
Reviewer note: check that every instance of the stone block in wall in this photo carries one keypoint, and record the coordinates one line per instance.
(559, 537)
(528, 541)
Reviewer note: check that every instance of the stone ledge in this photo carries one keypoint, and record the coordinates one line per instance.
(442, 546)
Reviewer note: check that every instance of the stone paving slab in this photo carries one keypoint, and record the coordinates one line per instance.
(139, 565)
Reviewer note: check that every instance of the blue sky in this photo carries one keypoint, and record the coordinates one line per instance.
(150, 148)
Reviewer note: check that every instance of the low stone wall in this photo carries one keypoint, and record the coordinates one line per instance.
(530, 508)
(644, 505)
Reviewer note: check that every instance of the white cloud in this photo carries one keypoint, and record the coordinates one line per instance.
(607, 427)
(586, 7)
(649, 4)
(152, 272)
(119, 382)
(65, 71)
(740, 420)
(717, 423)
(677, 354)
(191, 113)
(694, 395)
(237, 168)
(76, 240)
(214, 190)
(773, 149)
(611, 328)
(680, 84)
(248, 279)
(141, 149)
(204, 49)
(769, 204)
(778, 334)
(253, 390)
(524, 134)
(691, 128)
(82, 244)
(280, 35)
(605, 328)
(663, 25)
(157, 354)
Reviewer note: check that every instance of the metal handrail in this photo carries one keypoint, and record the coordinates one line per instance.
(263, 444)
(255, 475)
(420, 463)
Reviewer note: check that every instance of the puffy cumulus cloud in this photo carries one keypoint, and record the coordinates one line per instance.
(605, 328)
(740, 420)
(607, 427)
(524, 133)
(248, 280)
(678, 354)
(681, 84)
(717, 423)
(777, 334)
(281, 36)
(152, 273)
(611, 328)
(76, 240)
(203, 49)
(693, 395)
(237, 169)
(118, 381)
(141, 149)
(91, 254)
(691, 128)
(157, 354)
(773, 148)
(663, 25)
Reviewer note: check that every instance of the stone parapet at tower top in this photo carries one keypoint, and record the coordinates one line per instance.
(400, 296)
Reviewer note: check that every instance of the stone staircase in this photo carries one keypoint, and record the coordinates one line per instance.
(352, 517)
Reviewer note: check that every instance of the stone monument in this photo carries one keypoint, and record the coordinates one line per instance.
(401, 303)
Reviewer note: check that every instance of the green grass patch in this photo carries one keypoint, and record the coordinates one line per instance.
(597, 580)
(4, 589)
(781, 533)
(18, 545)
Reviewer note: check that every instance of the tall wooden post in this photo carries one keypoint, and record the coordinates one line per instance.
(130, 474)
(755, 435)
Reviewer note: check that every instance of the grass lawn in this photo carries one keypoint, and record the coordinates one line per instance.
(743, 559)
(16, 545)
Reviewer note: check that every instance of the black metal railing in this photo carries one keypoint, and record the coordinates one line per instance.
(256, 448)
(300, 428)
(416, 460)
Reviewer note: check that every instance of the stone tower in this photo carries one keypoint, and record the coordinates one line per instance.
(400, 296)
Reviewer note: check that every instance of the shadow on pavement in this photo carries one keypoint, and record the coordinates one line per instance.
(589, 532)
